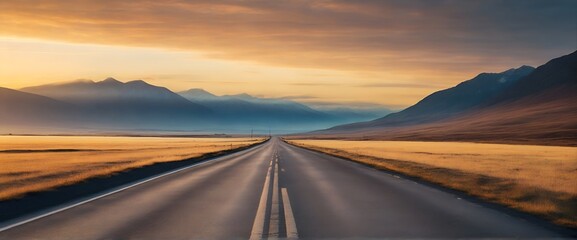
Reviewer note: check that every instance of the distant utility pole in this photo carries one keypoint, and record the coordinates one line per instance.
(251, 133)
(269, 132)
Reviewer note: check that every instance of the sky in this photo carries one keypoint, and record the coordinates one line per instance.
(360, 53)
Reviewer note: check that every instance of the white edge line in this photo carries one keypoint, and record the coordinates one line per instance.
(113, 192)
(291, 226)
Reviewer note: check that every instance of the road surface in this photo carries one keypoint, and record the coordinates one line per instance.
(270, 191)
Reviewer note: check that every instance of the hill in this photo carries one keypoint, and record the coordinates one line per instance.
(135, 104)
(20, 110)
(538, 108)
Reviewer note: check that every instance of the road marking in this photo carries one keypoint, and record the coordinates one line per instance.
(289, 219)
(258, 225)
(274, 220)
(62, 209)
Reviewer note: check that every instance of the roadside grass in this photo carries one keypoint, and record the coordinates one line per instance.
(39, 163)
(541, 180)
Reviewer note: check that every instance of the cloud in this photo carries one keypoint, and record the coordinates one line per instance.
(214, 82)
(298, 97)
(364, 35)
(313, 84)
(353, 104)
(398, 85)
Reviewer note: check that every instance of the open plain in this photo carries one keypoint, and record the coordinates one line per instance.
(38, 163)
(535, 179)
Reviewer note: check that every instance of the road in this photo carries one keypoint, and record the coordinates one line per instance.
(275, 190)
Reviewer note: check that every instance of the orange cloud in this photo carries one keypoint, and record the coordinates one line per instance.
(358, 35)
(432, 41)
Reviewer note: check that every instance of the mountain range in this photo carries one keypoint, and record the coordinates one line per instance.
(111, 105)
(522, 105)
(244, 111)
(135, 104)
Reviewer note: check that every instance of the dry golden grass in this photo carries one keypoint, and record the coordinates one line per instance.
(536, 179)
(37, 163)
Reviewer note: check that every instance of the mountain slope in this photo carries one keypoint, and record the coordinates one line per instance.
(450, 102)
(20, 109)
(558, 75)
(198, 94)
(134, 104)
(539, 108)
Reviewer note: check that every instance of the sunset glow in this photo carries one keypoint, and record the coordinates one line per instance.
(288, 119)
(385, 52)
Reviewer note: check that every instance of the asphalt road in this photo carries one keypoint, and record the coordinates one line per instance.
(275, 190)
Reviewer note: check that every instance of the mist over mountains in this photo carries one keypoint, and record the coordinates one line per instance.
(111, 105)
(520, 104)
(135, 104)
(20, 110)
(282, 114)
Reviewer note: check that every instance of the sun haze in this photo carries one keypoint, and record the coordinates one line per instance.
(385, 52)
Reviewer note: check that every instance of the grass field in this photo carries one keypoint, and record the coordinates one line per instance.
(37, 163)
(536, 179)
